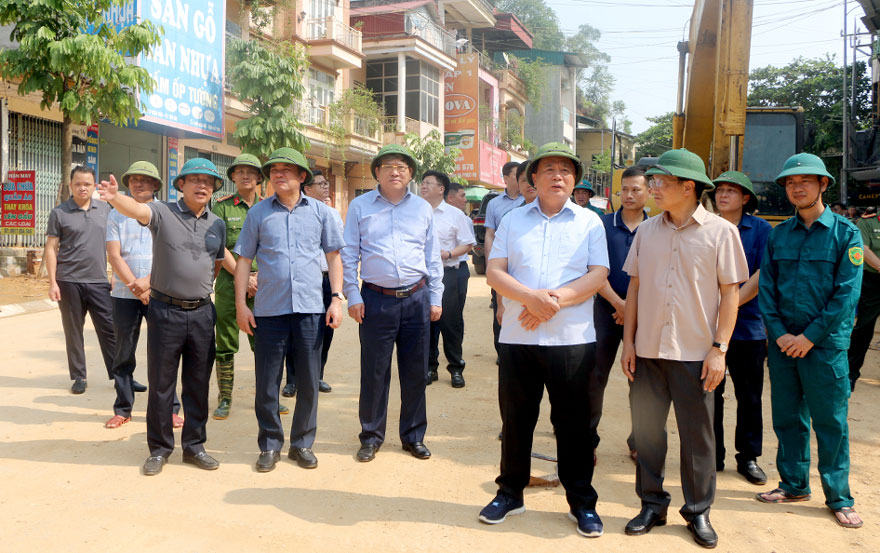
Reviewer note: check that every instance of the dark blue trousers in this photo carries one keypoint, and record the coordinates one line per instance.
(185, 338)
(451, 323)
(745, 361)
(78, 298)
(325, 344)
(390, 321)
(127, 316)
(300, 334)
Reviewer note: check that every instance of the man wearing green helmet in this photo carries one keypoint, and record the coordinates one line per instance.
(188, 249)
(735, 198)
(685, 267)
(811, 276)
(130, 253)
(583, 191)
(548, 259)
(232, 209)
(287, 234)
(390, 242)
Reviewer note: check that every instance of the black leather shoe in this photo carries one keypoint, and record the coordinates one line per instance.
(202, 460)
(417, 450)
(137, 386)
(703, 532)
(267, 460)
(289, 390)
(323, 387)
(752, 472)
(367, 453)
(79, 386)
(153, 465)
(643, 523)
(432, 377)
(457, 380)
(303, 457)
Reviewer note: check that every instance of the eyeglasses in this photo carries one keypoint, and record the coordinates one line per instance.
(394, 167)
(324, 184)
(655, 182)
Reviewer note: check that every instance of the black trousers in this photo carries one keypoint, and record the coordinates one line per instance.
(524, 372)
(390, 321)
(745, 361)
(863, 331)
(659, 382)
(496, 327)
(77, 298)
(185, 338)
(325, 345)
(451, 323)
(275, 338)
(609, 335)
(127, 316)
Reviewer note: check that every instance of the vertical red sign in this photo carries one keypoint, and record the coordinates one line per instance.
(19, 203)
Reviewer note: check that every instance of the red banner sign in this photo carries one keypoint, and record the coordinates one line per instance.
(19, 203)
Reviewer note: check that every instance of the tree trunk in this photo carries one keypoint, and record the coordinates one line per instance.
(66, 159)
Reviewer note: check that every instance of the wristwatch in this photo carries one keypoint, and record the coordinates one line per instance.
(720, 345)
(336, 295)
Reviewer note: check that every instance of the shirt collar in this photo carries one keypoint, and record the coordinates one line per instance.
(567, 206)
(379, 195)
(826, 219)
(303, 199)
(75, 207)
(181, 205)
(442, 206)
(745, 221)
(699, 216)
(618, 219)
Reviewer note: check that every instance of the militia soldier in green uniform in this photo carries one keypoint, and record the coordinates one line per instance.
(810, 279)
(245, 172)
(869, 301)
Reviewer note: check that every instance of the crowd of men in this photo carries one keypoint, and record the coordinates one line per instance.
(690, 294)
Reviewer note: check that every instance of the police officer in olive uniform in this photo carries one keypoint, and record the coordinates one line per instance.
(245, 172)
(811, 275)
(189, 243)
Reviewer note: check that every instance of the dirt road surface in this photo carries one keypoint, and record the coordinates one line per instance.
(70, 484)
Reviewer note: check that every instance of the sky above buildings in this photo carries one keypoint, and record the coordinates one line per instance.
(641, 37)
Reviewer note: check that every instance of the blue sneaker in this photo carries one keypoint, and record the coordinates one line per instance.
(588, 521)
(503, 505)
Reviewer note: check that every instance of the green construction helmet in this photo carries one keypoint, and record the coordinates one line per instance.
(199, 166)
(555, 149)
(397, 150)
(144, 168)
(740, 179)
(682, 164)
(803, 164)
(246, 159)
(289, 155)
(585, 185)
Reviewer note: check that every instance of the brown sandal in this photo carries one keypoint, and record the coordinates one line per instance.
(846, 511)
(116, 421)
(786, 497)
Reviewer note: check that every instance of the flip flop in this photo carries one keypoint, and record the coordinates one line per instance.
(846, 511)
(786, 497)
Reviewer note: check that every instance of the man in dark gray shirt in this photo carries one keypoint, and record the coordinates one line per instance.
(188, 248)
(77, 265)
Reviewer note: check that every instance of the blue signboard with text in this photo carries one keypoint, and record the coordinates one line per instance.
(188, 66)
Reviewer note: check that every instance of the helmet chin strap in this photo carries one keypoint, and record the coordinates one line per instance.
(818, 198)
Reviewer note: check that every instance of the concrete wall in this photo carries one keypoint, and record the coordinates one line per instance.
(545, 124)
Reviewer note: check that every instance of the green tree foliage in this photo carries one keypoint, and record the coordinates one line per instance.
(355, 111)
(268, 78)
(816, 85)
(602, 162)
(656, 139)
(540, 19)
(431, 154)
(87, 75)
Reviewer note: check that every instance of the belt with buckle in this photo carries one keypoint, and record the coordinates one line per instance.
(397, 292)
(183, 304)
(325, 273)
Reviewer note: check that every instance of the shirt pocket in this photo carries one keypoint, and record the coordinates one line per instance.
(822, 263)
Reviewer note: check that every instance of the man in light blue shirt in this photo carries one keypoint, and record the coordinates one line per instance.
(287, 234)
(130, 253)
(389, 233)
(548, 260)
(496, 209)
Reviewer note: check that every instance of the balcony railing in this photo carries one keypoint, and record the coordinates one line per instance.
(390, 125)
(334, 29)
(422, 27)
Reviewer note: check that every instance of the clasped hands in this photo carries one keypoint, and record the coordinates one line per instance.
(539, 307)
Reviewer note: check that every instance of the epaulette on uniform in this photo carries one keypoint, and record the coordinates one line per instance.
(224, 198)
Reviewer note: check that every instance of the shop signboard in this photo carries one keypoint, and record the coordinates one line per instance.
(85, 147)
(173, 159)
(188, 66)
(462, 115)
(18, 203)
(492, 160)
